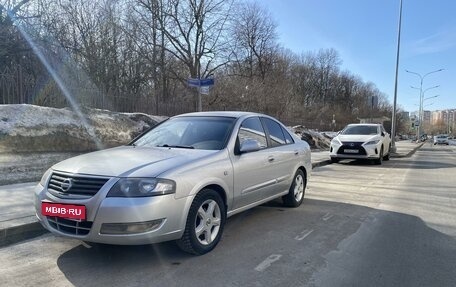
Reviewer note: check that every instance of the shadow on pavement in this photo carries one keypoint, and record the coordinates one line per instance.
(418, 164)
(353, 246)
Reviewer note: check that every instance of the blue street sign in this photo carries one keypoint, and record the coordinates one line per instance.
(207, 82)
(200, 82)
(193, 82)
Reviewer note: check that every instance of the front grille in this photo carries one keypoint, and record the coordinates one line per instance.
(69, 226)
(352, 145)
(63, 184)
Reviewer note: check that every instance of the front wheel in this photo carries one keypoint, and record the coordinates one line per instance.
(380, 157)
(205, 223)
(295, 195)
(334, 160)
(387, 156)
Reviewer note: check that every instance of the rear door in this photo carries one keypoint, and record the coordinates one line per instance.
(284, 154)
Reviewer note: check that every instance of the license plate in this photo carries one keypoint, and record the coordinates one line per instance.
(63, 210)
(351, 150)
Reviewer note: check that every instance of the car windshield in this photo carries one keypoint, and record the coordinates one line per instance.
(360, 130)
(207, 133)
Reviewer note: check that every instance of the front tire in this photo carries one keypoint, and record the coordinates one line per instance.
(387, 156)
(380, 157)
(297, 190)
(334, 160)
(205, 222)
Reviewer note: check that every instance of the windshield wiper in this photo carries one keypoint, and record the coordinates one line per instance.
(176, 146)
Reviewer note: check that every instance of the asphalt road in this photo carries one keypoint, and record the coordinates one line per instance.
(360, 225)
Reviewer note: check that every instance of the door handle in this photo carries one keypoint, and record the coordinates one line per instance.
(271, 158)
(296, 152)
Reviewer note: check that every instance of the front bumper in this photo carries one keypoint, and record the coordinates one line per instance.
(337, 151)
(99, 209)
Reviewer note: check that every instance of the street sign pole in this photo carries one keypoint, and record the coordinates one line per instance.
(200, 102)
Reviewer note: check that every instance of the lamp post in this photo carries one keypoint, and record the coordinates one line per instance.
(393, 116)
(422, 94)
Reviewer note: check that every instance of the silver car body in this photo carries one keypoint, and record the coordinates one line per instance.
(359, 146)
(245, 180)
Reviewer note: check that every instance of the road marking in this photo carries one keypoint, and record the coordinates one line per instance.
(267, 262)
(86, 245)
(304, 234)
(327, 216)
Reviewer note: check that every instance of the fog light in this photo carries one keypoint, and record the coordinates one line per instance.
(130, 228)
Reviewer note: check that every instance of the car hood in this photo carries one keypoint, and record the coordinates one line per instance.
(358, 138)
(130, 161)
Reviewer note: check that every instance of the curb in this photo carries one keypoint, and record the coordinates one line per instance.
(409, 154)
(19, 233)
(321, 163)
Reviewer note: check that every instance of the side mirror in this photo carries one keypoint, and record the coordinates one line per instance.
(383, 134)
(250, 145)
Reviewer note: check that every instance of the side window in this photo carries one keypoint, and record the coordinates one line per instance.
(251, 128)
(288, 138)
(275, 132)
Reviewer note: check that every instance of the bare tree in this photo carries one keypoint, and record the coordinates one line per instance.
(256, 36)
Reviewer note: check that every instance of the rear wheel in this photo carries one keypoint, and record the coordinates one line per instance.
(295, 195)
(205, 223)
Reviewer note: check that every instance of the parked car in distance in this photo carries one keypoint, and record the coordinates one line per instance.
(441, 139)
(178, 181)
(361, 141)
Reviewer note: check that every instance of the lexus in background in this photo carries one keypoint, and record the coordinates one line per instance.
(361, 141)
(178, 181)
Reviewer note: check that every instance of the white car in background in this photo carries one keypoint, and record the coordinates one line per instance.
(361, 141)
(441, 139)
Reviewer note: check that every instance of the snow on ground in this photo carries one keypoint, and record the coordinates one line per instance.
(316, 140)
(30, 128)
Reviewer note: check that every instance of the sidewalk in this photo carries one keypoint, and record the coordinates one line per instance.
(17, 213)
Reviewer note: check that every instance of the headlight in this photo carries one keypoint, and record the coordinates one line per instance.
(335, 141)
(45, 177)
(141, 187)
(372, 142)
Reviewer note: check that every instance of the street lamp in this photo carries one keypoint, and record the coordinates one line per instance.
(422, 94)
(393, 116)
(431, 97)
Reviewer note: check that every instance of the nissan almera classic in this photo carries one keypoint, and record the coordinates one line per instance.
(178, 181)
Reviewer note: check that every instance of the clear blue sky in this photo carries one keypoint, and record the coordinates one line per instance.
(364, 32)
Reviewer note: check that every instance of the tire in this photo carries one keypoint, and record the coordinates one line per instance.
(297, 190)
(380, 157)
(387, 156)
(210, 224)
(334, 160)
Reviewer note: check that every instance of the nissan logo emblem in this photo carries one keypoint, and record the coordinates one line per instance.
(352, 144)
(66, 184)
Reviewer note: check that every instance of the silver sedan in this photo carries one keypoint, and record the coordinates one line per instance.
(178, 181)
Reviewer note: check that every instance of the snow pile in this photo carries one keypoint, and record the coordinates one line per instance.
(30, 128)
(26, 128)
(315, 139)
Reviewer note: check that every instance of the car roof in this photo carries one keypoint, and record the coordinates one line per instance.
(232, 114)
